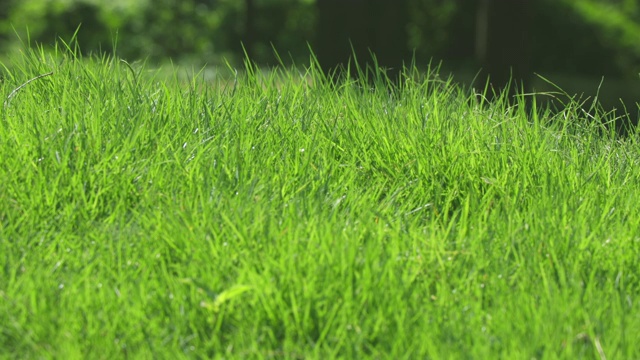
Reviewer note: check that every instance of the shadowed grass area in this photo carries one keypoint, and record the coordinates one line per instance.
(278, 215)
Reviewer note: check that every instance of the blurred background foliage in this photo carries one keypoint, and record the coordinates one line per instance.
(193, 31)
(577, 39)
(598, 37)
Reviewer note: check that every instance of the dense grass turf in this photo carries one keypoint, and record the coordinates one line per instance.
(280, 216)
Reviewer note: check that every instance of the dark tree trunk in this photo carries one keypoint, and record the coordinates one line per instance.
(503, 42)
(342, 32)
(249, 28)
(390, 20)
(460, 32)
(4, 16)
(348, 28)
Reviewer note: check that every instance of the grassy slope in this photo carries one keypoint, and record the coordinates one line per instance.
(286, 218)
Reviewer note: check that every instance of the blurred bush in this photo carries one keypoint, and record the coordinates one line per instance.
(199, 31)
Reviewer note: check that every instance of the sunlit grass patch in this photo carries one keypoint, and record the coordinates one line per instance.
(281, 215)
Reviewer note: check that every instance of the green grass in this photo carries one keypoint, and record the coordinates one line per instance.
(276, 215)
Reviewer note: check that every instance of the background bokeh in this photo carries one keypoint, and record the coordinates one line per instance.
(574, 43)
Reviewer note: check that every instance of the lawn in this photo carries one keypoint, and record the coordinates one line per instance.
(280, 215)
